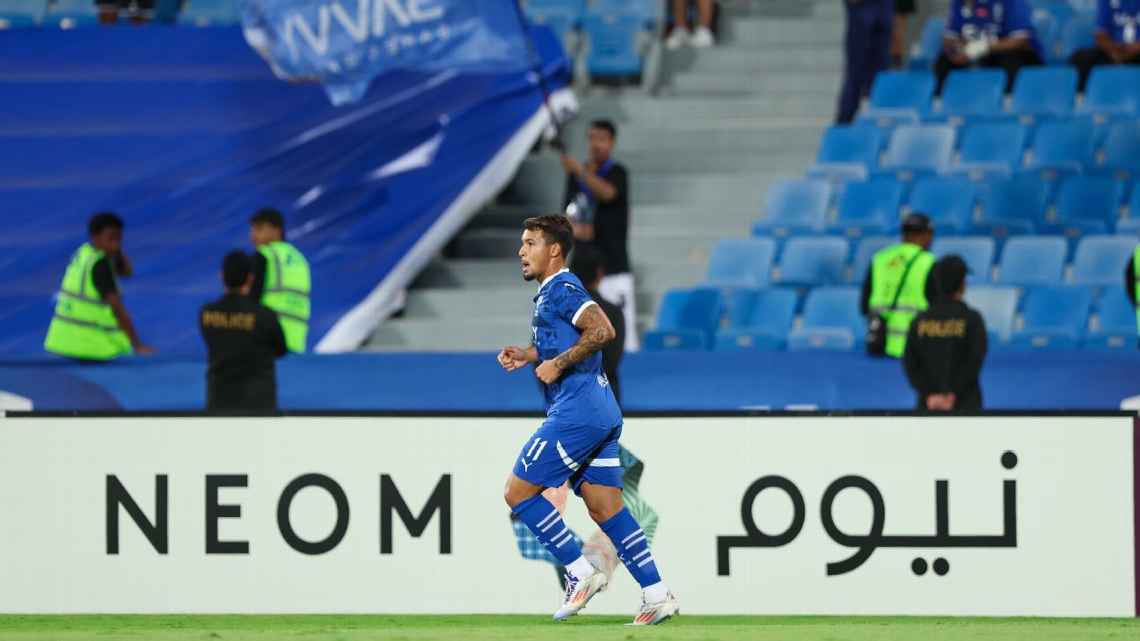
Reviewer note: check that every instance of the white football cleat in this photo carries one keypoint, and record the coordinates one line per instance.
(654, 613)
(579, 592)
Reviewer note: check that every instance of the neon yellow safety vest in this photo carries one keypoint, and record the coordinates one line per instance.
(287, 286)
(84, 325)
(887, 269)
(1136, 271)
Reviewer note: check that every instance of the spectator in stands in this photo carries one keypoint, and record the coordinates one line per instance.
(281, 278)
(597, 203)
(682, 35)
(1131, 279)
(91, 323)
(988, 33)
(244, 339)
(586, 263)
(1117, 38)
(867, 45)
(904, 9)
(947, 346)
(140, 11)
(899, 284)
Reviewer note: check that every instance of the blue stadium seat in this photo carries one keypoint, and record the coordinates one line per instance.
(1013, 206)
(925, 51)
(948, 201)
(741, 262)
(1112, 91)
(1122, 149)
(614, 48)
(918, 149)
(70, 13)
(21, 13)
(1055, 317)
(562, 16)
(991, 149)
(794, 205)
(1115, 327)
(210, 12)
(812, 261)
(865, 251)
(899, 97)
(972, 93)
(831, 321)
(1086, 203)
(1100, 260)
(976, 251)
(848, 152)
(761, 323)
(686, 320)
(1062, 147)
(868, 208)
(1076, 33)
(998, 306)
(1045, 92)
(1032, 260)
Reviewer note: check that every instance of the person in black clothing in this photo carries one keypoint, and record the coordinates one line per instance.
(244, 339)
(1130, 279)
(588, 267)
(946, 347)
(597, 203)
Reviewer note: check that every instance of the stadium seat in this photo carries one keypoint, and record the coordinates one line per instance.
(925, 51)
(977, 252)
(70, 13)
(761, 323)
(1112, 91)
(991, 149)
(1054, 317)
(847, 152)
(899, 97)
(613, 43)
(868, 208)
(211, 12)
(1044, 92)
(919, 149)
(741, 262)
(812, 261)
(1115, 325)
(831, 321)
(1062, 147)
(562, 16)
(1076, 33)
(865, 251)
(686, 320)
(21, 13)
(1089, 203)
(1013, 206)
(1100, 260)
(972, 93)
(1122, 149)
(949, 202)
(998, 306)
(1032, 260)
(794, 205)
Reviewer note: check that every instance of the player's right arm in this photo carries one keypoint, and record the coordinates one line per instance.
(512, 358)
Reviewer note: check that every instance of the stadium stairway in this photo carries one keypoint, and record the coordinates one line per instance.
(726, 123)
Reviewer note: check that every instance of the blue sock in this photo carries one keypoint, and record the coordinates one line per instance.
(548, 527)
(632, 547)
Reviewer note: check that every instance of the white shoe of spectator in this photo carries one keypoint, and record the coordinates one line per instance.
(703, 38)
(679, 38)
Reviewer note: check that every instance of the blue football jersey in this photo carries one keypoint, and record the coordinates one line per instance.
(992, 19)
(1120, 19)
(582, 396)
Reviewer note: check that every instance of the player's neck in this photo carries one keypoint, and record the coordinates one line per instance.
(554, 270)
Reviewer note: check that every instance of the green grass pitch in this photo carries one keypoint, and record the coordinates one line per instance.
(539, 628)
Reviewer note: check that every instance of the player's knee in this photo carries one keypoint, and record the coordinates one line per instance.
(602, 506)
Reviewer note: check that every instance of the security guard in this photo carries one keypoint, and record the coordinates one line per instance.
(244, 339)
(867, 51)
(281, 277)
(947, 346)
(91, 323)
(882, 296)
(1132, 282)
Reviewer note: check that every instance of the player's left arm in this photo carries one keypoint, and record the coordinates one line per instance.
(596, 332)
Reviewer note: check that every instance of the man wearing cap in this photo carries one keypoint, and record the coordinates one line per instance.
(244, 339)
(947, 346)
(898, 284)
(281, 279)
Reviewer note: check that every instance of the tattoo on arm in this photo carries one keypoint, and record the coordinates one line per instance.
(596, 332)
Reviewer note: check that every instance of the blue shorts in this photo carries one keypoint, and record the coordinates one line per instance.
(558, 452)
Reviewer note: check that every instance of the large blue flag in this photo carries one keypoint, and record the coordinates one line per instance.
(344, 44)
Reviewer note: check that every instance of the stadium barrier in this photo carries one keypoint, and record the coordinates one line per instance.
(789, 513)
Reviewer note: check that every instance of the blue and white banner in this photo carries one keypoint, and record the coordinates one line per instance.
(344, 44)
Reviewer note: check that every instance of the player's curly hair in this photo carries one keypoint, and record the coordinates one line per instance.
(556, 229)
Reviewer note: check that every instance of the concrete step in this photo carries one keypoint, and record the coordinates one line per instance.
(760, 60)
(683, 112)
(450, 335)
(758, 134)
(502, 216)
(824, 31)
(821, 85)
(470, 273)
(506, 303)
(709, 194)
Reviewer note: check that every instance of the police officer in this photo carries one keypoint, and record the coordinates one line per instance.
(867, 46)
(281, 277)
(947, 346)
(1132, 282)
(244, 338)
(885, 292)
(91, 323)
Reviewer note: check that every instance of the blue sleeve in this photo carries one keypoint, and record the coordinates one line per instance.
(1018, 18)
(954, 20)
(570, 299)
(1104, 15)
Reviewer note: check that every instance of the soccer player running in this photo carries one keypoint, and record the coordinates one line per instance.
(579, 440)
